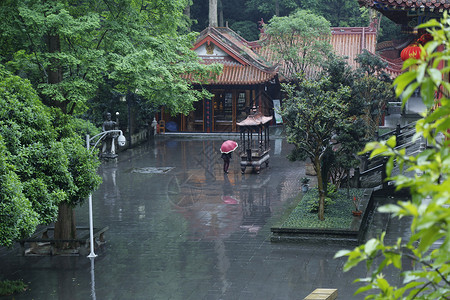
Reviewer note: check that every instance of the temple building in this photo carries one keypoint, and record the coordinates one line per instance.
(408, 14)
(249, 78)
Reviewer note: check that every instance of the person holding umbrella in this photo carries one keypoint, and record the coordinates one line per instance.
(227, 148)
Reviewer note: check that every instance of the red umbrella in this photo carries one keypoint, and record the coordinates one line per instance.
(229, 200)
(228, 146)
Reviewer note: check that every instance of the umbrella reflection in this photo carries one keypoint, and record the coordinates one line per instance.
(227, 194)
(255, 203)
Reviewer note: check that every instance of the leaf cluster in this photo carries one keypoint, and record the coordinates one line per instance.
(300, 42)
(141, 47)
(312, 113)
(311, 203)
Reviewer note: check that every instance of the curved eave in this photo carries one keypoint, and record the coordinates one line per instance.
(417, 4)
(222, 47)
(240, 75)
(255, 120)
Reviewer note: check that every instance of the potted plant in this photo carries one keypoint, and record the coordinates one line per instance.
(357, 211)
(305, 184)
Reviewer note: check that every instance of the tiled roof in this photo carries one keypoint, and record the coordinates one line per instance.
(400, 11)
(255, 120)
(350, 41)
(238, 74)
(233, 44)
(436, 4)
(242, 65)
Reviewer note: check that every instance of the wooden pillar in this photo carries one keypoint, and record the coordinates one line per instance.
(208, 117)
(234, 112)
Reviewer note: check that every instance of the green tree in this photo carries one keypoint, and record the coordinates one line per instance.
(373, 85)
(312, 113)
(43, 160)
(246, 29)
(278, 7)
(428, 245)
(300, 43)
(67, 49)
(341, 13)
(389, 30)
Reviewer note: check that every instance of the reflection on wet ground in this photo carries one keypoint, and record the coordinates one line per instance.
(181, 229)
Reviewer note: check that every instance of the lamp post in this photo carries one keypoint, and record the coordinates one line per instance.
(121, 141)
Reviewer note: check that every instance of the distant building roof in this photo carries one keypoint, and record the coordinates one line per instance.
(346, 41)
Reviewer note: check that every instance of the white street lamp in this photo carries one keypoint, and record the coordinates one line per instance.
(121, 140)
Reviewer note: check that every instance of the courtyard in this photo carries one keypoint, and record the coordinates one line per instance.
(181, 229)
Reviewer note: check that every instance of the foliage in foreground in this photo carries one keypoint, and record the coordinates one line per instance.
(424, 258)
(9, 287)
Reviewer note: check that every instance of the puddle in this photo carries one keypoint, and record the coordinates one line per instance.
(152, 170)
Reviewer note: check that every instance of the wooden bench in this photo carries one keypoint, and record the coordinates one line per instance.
(43, 237)
(322, 294)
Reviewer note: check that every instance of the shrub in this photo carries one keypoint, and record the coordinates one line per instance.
(9, 287)
(311, 200)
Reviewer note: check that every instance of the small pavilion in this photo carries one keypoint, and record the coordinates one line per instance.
(254, 141)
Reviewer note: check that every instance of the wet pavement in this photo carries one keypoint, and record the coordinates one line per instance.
(181, 229)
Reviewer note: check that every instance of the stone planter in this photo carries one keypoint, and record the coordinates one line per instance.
(357, 213)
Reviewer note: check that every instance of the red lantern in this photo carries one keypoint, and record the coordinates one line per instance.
(412, 51)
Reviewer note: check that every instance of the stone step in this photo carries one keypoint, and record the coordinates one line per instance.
(322, 294)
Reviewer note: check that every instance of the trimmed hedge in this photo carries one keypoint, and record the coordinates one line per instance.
(338, 211)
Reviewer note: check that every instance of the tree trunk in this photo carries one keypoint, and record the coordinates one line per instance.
(187, 13)
(277, 8)
(320, 189)
(220, 13)
(213, 13)
(65, 228)
(54, 71)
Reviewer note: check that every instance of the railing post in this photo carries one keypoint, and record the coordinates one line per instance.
(365, 161)
(384, 183)
(357, 177)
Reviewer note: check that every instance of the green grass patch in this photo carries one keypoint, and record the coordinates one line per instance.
(9, 287)
(338, 211)
(384, 130)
